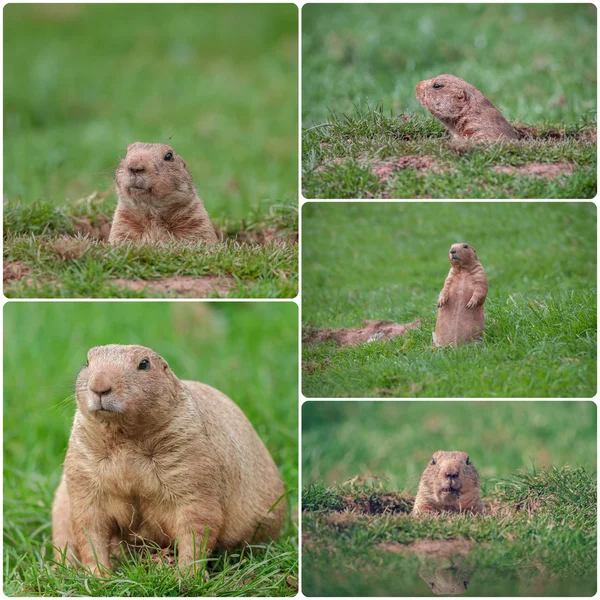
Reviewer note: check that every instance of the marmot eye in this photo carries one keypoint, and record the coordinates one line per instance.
(468, 461)
(437, 86)
(465, 246)
(169, 156)
(144, 365)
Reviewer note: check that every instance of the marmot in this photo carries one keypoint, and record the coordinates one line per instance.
(157, 201)
(463, 109)
(152, 458)
(450, 482)
(460, 304)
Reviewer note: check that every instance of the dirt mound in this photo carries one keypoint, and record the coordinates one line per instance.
(98, 229)
(431, 548)
(190, 287)
(537, 169)
(537, 132)
(380, 503)
(369, 332)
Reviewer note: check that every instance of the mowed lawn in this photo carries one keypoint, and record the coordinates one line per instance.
(389, 261)
(361, 462)
(247, 351)
(366, 135)
(217, 82)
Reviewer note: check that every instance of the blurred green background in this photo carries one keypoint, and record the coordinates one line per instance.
(389, 260)
(82, 81)
(249, 351)
(395, 439)
(534, 61)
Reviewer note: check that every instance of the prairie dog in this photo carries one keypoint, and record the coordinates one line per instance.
(463, 109)
(450, 482)
(157, 201)
(460, 317)
(154, 459)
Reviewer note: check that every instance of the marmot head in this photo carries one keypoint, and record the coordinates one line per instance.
(153, 174)
(126, 384)
(462, 254)
(450, 477)
(446, 96)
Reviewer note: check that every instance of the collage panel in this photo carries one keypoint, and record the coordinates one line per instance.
(383, 316)
(449, 100)
(153, 151)
(425, 498)
(150, 426)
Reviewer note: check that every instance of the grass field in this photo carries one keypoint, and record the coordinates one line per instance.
(366, 135)
(249, 352)
(220, 80)
(389, 261)
(361, 463)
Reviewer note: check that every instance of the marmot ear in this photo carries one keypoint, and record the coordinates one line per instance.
(131, 146)
(461, 95)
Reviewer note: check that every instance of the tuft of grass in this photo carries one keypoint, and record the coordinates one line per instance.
(541, 324)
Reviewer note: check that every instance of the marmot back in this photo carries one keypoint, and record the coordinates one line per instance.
(463, 109)
(157, 201)
(450, 482)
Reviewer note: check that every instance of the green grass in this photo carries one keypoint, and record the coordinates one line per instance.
(52, 267)
(359, 105)
(81, 82)
(537, 462)
(249, 352)
(389, 261)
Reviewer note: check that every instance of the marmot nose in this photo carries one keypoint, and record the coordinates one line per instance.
(134, 170)
(451, 474)
(99, 384)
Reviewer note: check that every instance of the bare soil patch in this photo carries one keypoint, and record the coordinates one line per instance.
(13, 271)
(369, 332)
(190, 287)
(385, 169)
(430, 548)
(536, 169)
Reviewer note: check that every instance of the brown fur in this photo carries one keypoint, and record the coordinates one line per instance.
(154, 459)
(449, 483)
(157, 199)
(463, 109)
(461, 316)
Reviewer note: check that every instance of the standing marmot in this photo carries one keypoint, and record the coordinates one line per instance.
(450, 482)
(463, 109)
(158, 459)
(157, 199)
(460, 305)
